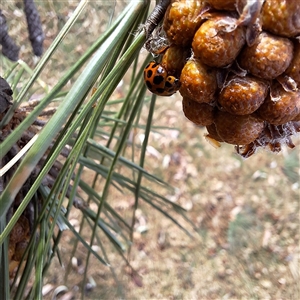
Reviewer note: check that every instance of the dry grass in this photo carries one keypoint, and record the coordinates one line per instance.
(246, 212)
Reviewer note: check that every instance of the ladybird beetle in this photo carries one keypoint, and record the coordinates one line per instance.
(158, 81)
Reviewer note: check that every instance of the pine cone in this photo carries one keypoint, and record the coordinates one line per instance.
(9, 48)
(36, 35)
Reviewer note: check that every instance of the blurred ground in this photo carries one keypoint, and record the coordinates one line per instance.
(246, 214)
(245, 244)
